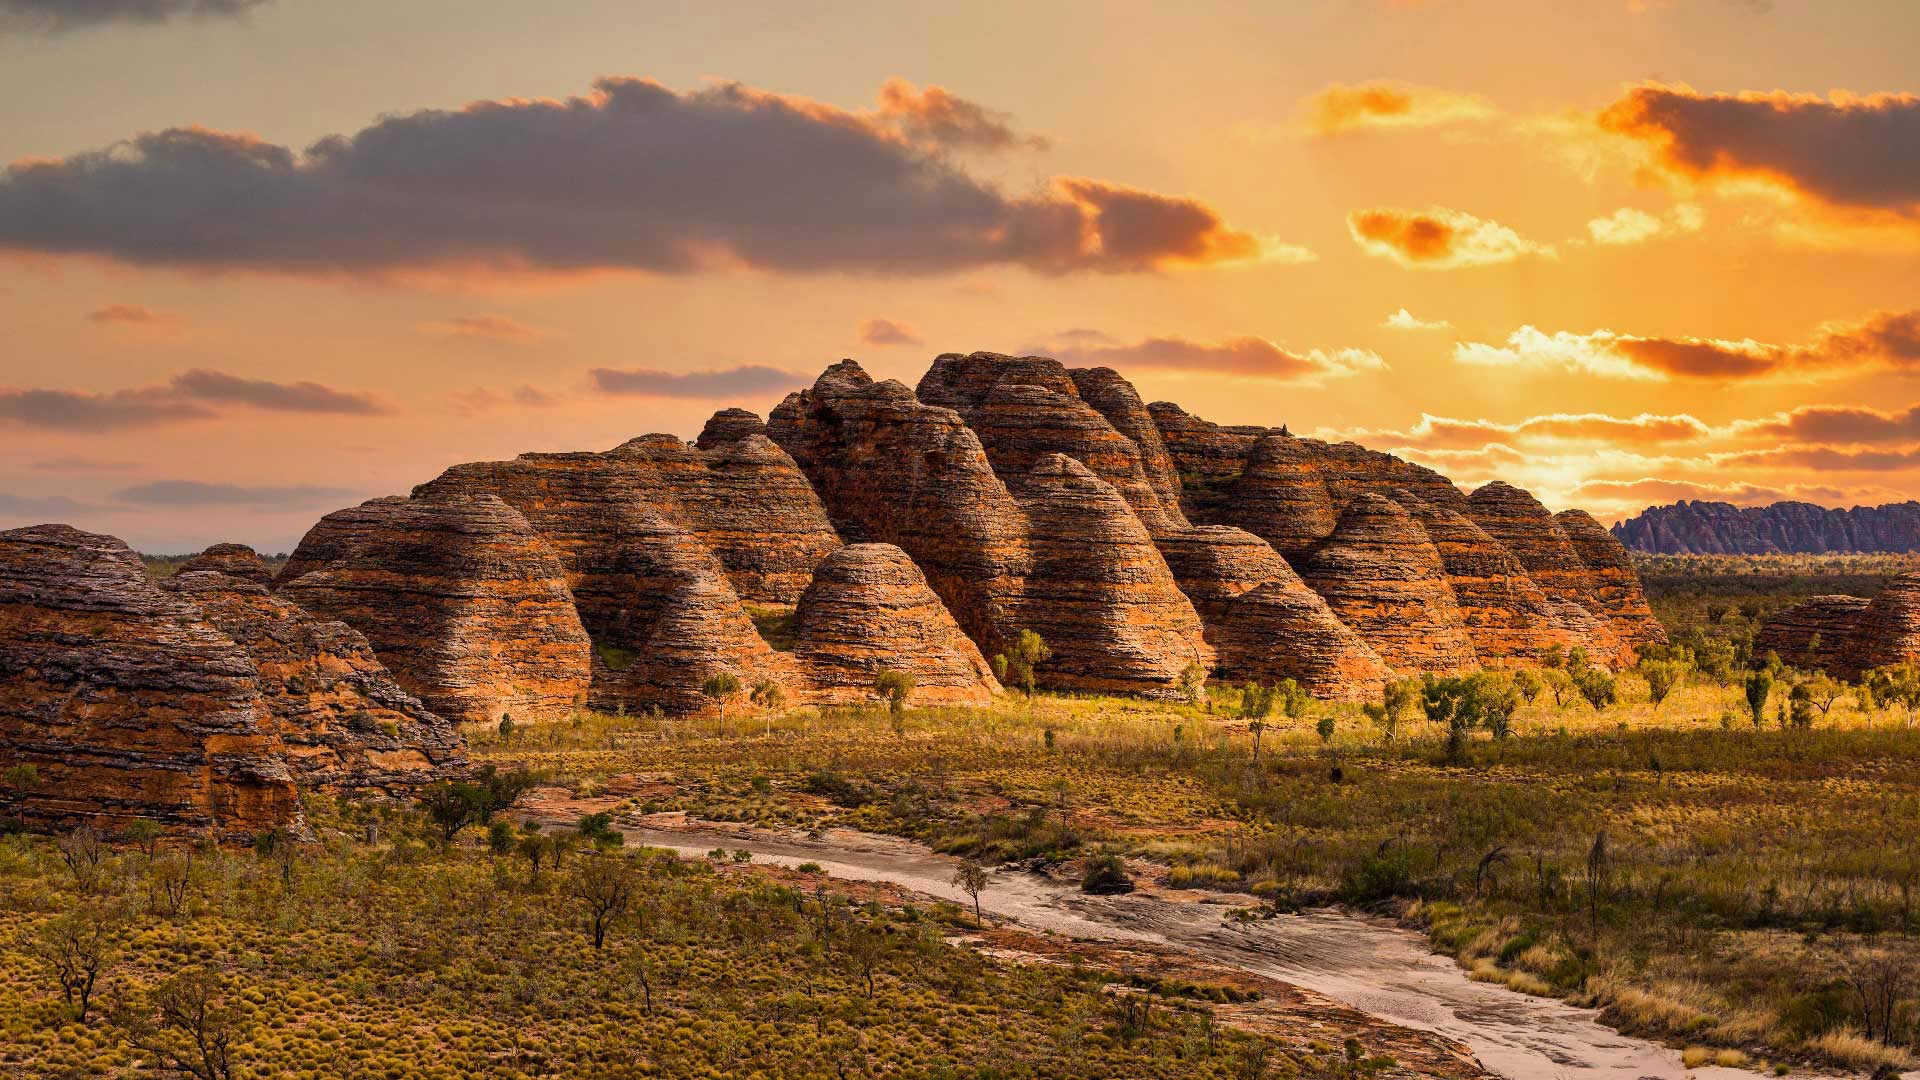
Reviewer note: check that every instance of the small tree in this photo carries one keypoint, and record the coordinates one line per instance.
(85, 856)
(1662, 676)
(893, 687)
(1192, 683)
(1016, 665)
(1325, 729)
(1596, 686)
(534, 848)
(1800, 706)
(500, 838)
(971, 878)
(80, 946)
(1824, 690)
(604, 885)
(1256, 704)
(144, 833)
(718, 688)
(1759, 687)
(23, 777)
(1529, 684)
(506, 729)
(188, 1026)
(769, 697)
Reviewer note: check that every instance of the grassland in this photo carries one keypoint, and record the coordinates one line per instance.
(1719, 885)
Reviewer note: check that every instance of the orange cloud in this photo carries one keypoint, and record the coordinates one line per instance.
(1438, 238)
(1340, 109)
(1441, 432)
(1888, 341)
(126, 314)
(496, 327)
(1248, 357)
(939, 117)
(1844, 151)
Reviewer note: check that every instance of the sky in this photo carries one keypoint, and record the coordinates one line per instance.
(262, 259)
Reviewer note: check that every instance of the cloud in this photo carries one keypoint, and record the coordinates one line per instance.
(749, 379)
(188, 396)
(310, 397)
(55, 16)
(1882, 341)
(1340, 109)
(1649, 490)
(886, 332)
(1247, 357)
(72, 464)
(1438, 238)
(38, 506)
(940, 118)
(1406, 320)
(133, 314)
(1627, 226)
(486, 399)
(631, 177)
(1441, 432)
(1843, 151)
(1837, 424)
(196, 493)
(493, 327)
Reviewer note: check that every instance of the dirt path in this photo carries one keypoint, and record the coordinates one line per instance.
(1370, 964)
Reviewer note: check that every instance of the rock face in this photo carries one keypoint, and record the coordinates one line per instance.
(1383, 577)
(236, 560)
(1717, 528)
(1518, 521)
(1040, 543)
(458, 596)
(342, 720)
(869, 608)
(1822, 631)
(1510, 621)
(1611, 581)
(125, 699)
(660, 605)
(1889, 629)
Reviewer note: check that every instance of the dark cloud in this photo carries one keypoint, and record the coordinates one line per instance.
(632, 177)
(17, 507)
(741, 381)
(188, 396)
(937, 116)
(1249, 357)
(1844, 150)
(887, 332)
(1826, 459)
(54, 16)
(121, 410)
(215, 386)
(196, 493)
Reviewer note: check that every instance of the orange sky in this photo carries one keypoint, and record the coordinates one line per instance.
(262, 260)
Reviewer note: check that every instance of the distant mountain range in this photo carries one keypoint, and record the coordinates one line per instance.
(1783, 528)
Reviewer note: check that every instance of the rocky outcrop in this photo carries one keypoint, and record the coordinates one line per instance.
(1024, 542)
(632, 530)
(729, 426)
(1510, 621)
(1612, 582)
(1717, 528)
(125, 700)
(463, 602)
(1525, 528)
(1819, 632)
(1208, 457)
(1280, 496)
(342, 721)
(1263, 622)
(868, 609)
(1383, 577)
(234, 560)
(1889, 629)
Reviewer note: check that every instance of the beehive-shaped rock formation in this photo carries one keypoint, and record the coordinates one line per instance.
(868, 609)
(1889, 630)
(463, 602)
(1819, 632)
(1510, 621)
(1382, 576)
(124, 699)
(1518, 521)
(236, 560)
(1611, 581)
(342, 720)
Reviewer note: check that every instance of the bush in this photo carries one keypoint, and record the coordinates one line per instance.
(1106, 875)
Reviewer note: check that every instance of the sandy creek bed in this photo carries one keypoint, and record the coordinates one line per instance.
(1370, 964)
